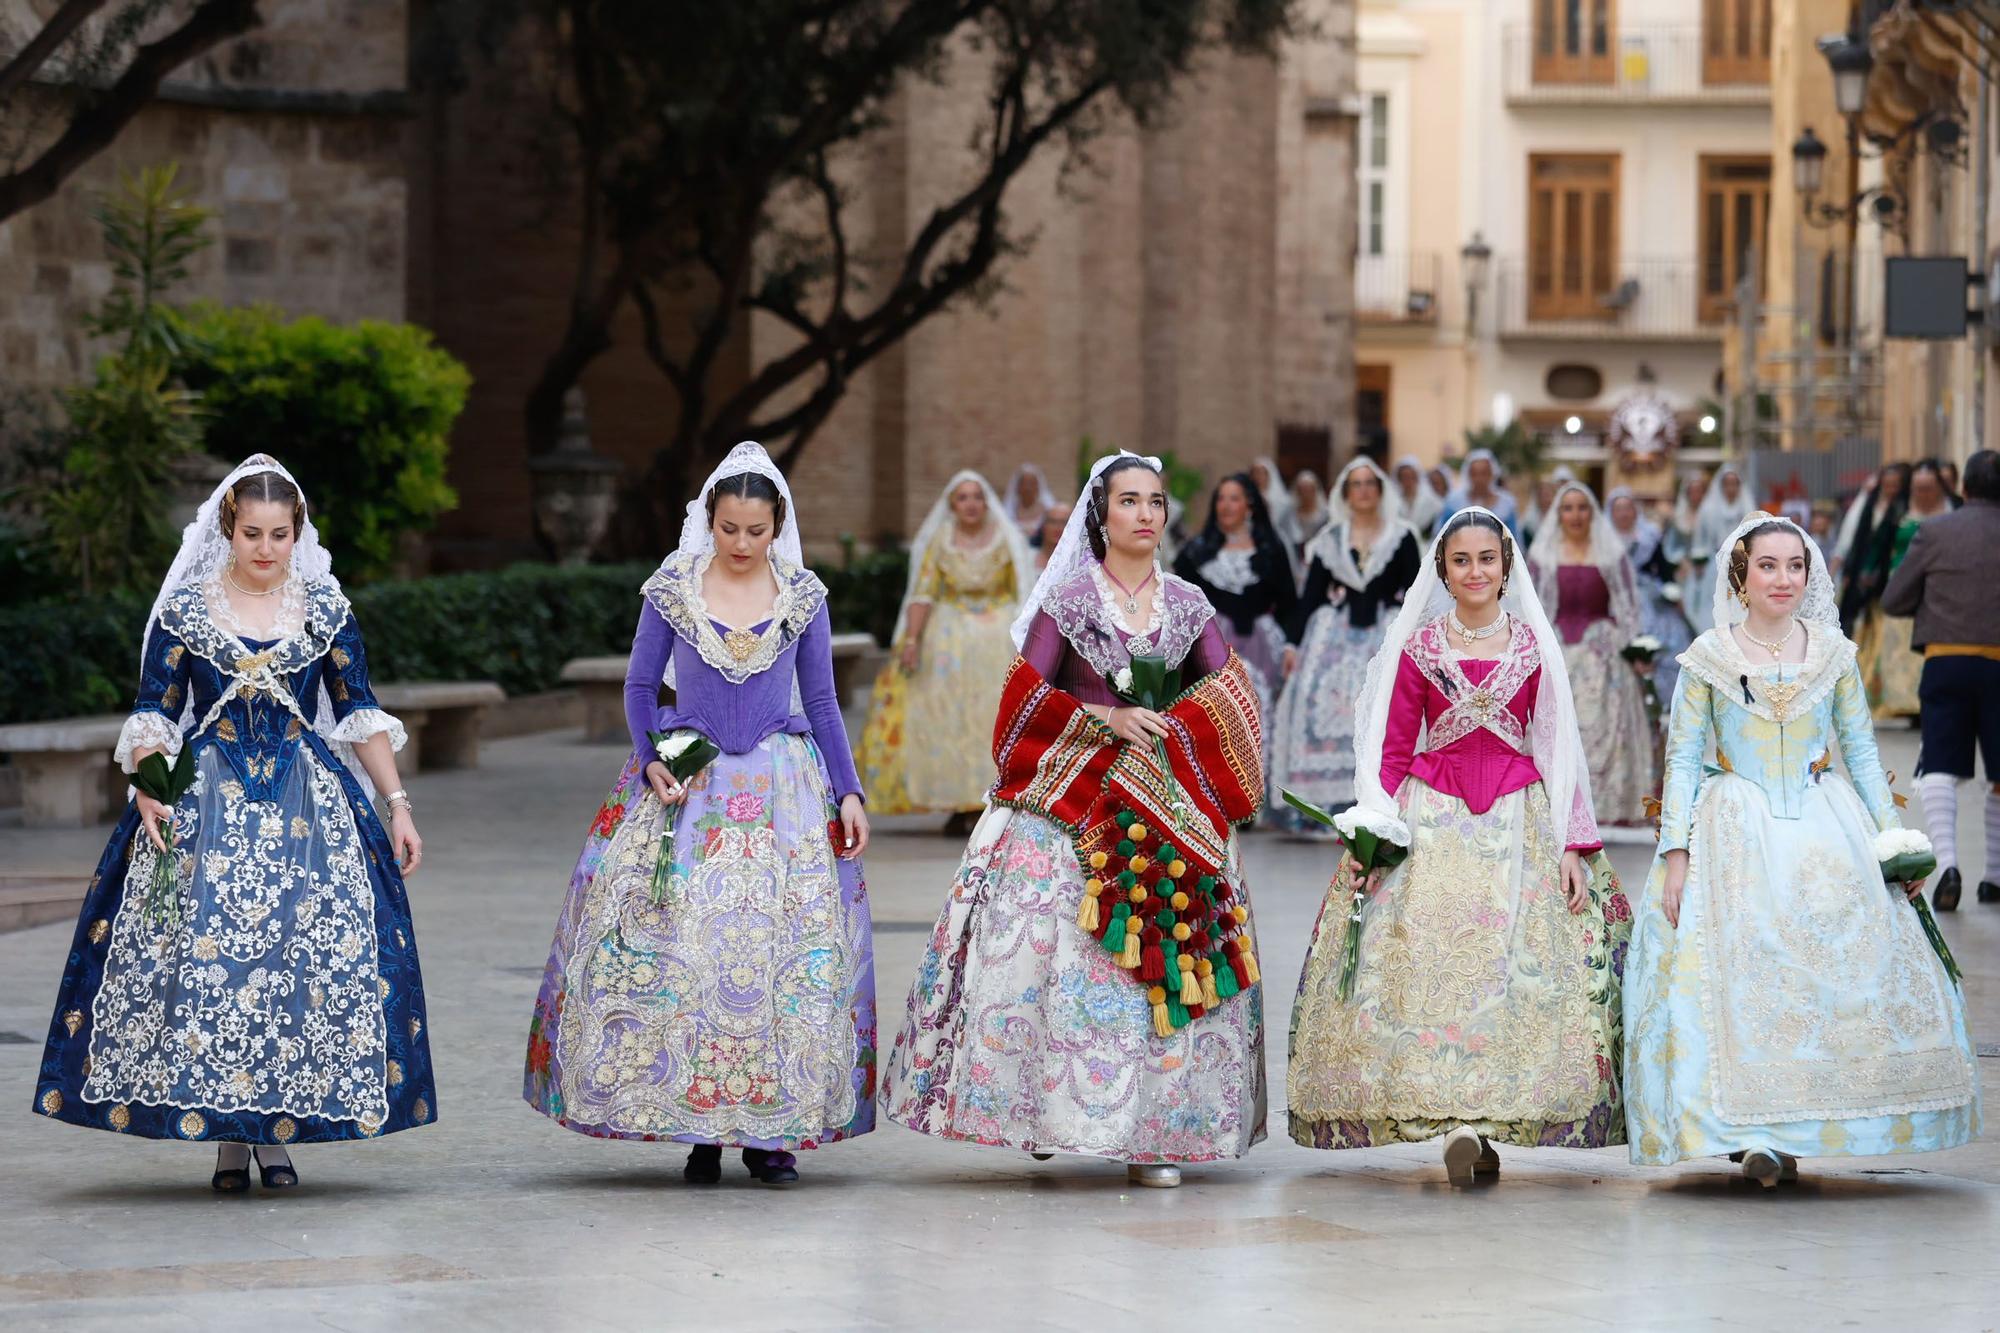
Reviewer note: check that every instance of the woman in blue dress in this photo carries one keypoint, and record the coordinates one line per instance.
(1781, 1000)
(276, 999)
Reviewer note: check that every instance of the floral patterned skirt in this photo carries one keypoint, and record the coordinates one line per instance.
(740, 1009)
(1621, 743)
(1893, 670)
(1312, 732)
(1797, 1006)
(922, 726)
(1480, 1000)
(287, 1004)
(1021, 1032)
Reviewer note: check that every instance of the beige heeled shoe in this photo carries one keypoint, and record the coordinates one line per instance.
(1762, 1165)
(1154, 1176)
(1462, 1150)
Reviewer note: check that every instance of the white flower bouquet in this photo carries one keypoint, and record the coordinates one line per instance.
(1377, 840)
(1670, 593)
(1643, 648)
(685, 753)
(1907, 856)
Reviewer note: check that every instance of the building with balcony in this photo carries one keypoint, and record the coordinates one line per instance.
(1556, 200)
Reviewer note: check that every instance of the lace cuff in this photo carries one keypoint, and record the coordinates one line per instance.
(1583, 834)
(362, 723)
(146, 731)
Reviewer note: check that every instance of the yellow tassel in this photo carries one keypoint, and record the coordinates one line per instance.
(1130, 958)
(1087, 918)
(1209, 998)
(1137, 833)
(1176, 869)
(1250, 967)
(1138, 864)
(1190, 988)
(1182, 930)
(1162, 1025)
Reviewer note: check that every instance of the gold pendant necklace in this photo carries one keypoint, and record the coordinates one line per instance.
(1472, 636)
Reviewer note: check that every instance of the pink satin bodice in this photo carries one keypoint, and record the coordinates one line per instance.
(1478, 768)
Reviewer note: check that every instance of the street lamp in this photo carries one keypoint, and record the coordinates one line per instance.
(1808, 164)
(1851, 61)
(1473, 257)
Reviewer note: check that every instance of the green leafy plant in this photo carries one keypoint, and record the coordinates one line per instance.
(104, 519)
(361, 414)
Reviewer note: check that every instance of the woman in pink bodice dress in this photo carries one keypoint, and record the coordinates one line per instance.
(1484, 1005)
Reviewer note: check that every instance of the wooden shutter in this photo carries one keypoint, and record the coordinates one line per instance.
(1735, 207)
(1736, 41)
(1572, 234)
(1574, 41)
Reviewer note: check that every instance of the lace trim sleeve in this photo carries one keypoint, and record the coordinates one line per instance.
(362, 723)
(146, 731)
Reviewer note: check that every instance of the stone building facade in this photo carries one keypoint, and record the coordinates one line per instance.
(1184, 295)
(294, 135)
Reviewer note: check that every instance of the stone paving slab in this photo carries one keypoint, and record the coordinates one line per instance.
(495, 1218)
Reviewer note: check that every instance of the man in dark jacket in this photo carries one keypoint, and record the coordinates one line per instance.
(1947, 581)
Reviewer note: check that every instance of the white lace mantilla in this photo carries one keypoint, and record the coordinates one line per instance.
(1776, 694)
(1085, 609)
(675, 592)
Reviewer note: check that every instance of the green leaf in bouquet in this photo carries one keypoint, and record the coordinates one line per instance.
(152, 776)
(182, 777)
(1150, 677)
(1307, 808)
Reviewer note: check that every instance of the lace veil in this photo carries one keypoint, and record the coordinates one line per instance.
(1608, 552)
(1331, 547)
(1821, 605)
(938, 526)
(1072, 555)
(1554, 741)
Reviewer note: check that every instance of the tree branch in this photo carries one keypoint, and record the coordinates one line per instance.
(44, 44)
(98, 122)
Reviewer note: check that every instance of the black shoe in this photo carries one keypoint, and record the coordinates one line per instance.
(771, 1168)
(235, 1180)
(961, 823)
(1989, 892)
(278, 1175)
(1949, 888)
(704, 1164)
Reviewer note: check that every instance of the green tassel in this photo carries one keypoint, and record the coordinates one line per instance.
(1225, 976)
(1206, 884)
(1126, 847)
(1126, 879)
(1177, 1013)
(1166, 921)
(1125, 819)
(1166, 852)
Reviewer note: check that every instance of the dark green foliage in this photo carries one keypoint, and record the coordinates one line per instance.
(516, 626)
(361, 414)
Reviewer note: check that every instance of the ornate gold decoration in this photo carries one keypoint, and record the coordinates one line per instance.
(382, 987)
(193, 1126)
(395, 1072)
(1781, 693)
(98, 930)
(741, 643)
(295, 730)
(226, 729)
(284, 1129)
(340, 658)
(371, 1125)
(73, 1020)
(119, 1117)
(174, 655)
(52, 1101)
(416, 1026)
(255, 662)
(421, 1112)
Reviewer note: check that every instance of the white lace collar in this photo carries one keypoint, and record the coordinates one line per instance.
(1108, 593)
(1775, 695)
(737, 654)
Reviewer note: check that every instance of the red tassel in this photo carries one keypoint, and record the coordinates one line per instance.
(1152, 964)
(1242, 974)
(1195, 1011)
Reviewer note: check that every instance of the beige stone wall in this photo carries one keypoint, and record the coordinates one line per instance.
(1143, 315)
(309, 203)
(1314, 354)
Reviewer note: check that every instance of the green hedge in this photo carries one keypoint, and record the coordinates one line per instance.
(515, 626)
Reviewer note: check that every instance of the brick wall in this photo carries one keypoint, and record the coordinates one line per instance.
(309, 202)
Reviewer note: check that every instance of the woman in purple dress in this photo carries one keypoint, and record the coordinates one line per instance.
(1045, 1016)
(1585, 581)
(735, 1007)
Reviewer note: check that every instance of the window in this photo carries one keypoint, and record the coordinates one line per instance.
(1735, 202)
(1577, 382)
(1736, 41)
(1572, 234)
(1573, 41)
(1374, 173)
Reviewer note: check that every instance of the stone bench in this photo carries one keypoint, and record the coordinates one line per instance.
(601, 682)
(67, 777)
(443, 719)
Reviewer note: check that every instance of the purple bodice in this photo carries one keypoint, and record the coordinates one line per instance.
(1585, 600)
(738, 716)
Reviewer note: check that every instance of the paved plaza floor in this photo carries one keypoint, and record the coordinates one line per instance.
(495, 1218)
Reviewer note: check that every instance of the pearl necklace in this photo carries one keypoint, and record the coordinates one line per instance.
(1777, 649)
(1472, 636)
(251, 592)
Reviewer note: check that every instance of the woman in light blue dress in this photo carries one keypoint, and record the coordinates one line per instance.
(1781, 1000)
